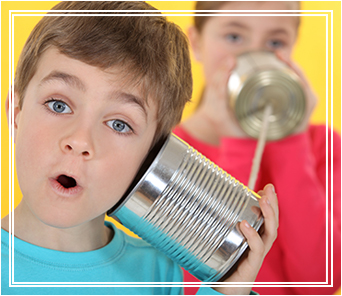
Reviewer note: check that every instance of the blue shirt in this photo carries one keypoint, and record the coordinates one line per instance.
(124, 260)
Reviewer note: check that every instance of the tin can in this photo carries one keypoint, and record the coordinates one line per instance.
(261, 79)
(188, 208)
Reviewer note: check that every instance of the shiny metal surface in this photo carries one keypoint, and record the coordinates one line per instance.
(187, 207)
(260, 78)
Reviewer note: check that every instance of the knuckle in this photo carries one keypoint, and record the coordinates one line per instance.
(262, 249)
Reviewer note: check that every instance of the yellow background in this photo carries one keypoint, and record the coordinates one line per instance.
(310, 53)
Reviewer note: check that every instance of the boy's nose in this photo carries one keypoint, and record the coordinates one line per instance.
(79, 144)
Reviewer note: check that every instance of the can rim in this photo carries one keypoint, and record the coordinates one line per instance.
(146, 167)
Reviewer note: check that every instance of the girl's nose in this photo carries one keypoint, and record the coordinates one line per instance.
(257, 45)
(78, 143)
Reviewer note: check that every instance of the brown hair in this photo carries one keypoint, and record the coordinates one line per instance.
(199, 21)
(152, 51)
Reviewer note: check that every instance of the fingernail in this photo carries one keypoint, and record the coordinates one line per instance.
(247, 224)
(273, 189)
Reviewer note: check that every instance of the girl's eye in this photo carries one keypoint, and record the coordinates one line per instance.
(119, 126)
(233, 38)
(275, 44)
(59, 107)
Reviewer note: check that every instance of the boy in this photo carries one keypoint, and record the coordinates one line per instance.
(92, 95)
(296, 165)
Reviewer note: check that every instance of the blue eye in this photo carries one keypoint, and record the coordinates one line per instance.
(275, 44)
(234, 38)
(59, 107)
(119, 126)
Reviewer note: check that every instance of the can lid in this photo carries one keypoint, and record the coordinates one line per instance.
(277, 88)
(261, 79)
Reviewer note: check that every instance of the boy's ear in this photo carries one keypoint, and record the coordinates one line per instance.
(194, 39)
(12, 97)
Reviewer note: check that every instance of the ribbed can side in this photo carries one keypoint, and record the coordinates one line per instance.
(197, 210)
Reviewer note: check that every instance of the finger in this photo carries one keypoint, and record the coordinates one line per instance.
(255, 243)
(217, 84)
(293, 66)
(271, 222)
(272, 197)
(269, 207)
(221, 76)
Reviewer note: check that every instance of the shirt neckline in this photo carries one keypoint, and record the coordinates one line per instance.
(67, 259)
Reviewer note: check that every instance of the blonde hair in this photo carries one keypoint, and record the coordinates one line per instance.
(152, 51)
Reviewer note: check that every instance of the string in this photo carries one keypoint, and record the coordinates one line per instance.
(260, 147)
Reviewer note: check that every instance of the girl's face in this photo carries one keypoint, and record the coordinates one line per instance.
(224, 36)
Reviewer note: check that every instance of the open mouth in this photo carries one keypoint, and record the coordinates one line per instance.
(66, 181)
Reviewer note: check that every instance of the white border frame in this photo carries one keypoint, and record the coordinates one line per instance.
(13, 13)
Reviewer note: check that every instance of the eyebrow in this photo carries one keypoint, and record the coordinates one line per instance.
(242, 26)
(74, 81)
(279, 31)
(130, 99)
(235, 24)
(69, 79)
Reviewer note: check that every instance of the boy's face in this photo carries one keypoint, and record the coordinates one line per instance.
(224, 36)
(80, 138)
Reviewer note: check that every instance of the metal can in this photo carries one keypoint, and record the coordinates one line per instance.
(261, 79)
(188, 208)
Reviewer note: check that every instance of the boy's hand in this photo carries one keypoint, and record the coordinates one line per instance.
(310, 96)
(259, 245)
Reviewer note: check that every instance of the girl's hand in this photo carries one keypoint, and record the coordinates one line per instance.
(259, 245)
(215, 102)
(214, 118)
